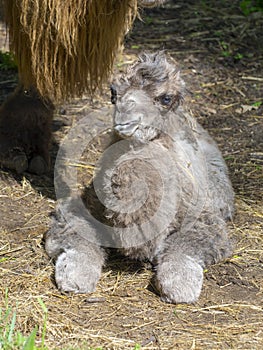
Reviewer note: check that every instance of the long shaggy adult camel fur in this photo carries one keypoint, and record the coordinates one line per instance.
(63, 49)
(66, 47)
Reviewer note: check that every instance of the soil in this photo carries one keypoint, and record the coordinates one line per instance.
(219, 50)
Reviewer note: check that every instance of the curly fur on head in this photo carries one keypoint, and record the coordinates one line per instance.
(158, 74)
(147, 97)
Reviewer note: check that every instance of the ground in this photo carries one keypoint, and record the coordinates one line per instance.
(219, 50)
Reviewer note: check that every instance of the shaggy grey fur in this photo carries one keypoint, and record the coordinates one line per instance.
(167, 165)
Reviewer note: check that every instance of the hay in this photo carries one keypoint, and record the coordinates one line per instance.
(67, 48)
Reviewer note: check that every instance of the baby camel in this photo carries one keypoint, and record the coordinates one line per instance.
(164, 186)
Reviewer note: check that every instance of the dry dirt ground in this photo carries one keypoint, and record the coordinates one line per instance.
(220, 54)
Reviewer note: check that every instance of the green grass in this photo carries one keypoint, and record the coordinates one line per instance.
(7, 61)
(251, 6)
(11, 338)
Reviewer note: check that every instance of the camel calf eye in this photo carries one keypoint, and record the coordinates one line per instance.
(165, 100)
(113, 95)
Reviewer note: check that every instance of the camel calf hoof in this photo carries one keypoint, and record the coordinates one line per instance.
(76, 273)
(179, 282)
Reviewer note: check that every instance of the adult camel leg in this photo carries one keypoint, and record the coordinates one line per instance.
(25, 131)
(62, 61)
